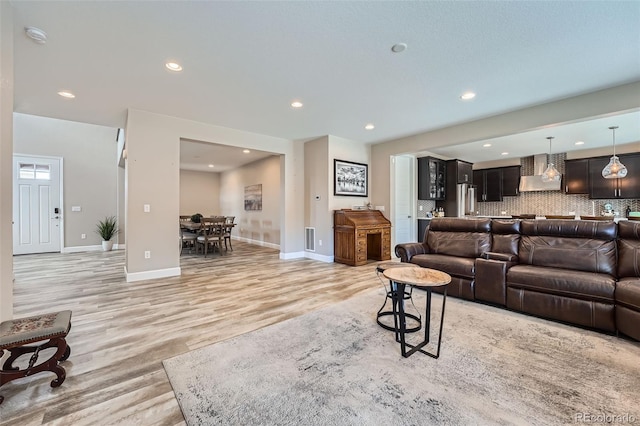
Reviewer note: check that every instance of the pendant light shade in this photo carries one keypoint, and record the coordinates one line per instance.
(551, 174)
(615, 169)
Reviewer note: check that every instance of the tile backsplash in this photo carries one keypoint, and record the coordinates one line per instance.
(553, 202)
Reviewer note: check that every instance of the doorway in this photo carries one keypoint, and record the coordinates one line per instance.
(403, 199)
(37, 204)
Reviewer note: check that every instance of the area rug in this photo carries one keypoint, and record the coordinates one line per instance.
(336, 366)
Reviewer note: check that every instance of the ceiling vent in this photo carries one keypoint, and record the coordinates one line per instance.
(36, 34)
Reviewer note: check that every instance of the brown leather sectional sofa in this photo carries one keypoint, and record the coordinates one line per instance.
(575, 271)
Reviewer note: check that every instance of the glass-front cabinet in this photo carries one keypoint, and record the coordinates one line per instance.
(431, 178)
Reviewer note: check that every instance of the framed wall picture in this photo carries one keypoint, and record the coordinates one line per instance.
(351, 179)
(253, 197)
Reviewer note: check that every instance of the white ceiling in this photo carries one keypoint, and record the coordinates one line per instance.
(244, 62)
(198, 156)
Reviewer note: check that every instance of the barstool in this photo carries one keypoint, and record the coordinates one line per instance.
(380, 268)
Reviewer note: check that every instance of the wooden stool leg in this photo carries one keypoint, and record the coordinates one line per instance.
(9, 372)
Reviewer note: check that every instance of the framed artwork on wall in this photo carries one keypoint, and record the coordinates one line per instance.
(253, 197)
(350, 179)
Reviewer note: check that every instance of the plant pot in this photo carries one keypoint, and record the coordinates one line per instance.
(107, 245)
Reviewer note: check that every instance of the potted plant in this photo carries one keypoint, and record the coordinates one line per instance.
(196, 218)
(107, 229)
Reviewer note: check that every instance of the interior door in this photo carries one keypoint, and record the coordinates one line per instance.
(403, 194)
(37, 209)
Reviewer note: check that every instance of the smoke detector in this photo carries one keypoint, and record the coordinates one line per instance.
(36, 34)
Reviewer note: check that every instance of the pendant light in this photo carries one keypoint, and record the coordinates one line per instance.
(615, 169)
(551, 174)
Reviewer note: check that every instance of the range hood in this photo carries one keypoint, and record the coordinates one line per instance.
(535, 182)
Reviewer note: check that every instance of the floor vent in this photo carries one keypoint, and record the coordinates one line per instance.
(310, 239)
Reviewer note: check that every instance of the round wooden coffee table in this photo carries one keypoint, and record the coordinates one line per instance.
(424, 279)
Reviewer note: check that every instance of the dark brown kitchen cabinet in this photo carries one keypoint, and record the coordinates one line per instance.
(431, 178)
(627, 187)
(576, 176)
(464, 171)
(489, 184)
(510, 181)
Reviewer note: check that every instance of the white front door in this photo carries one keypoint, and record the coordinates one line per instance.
(37, 205)
(403, 195)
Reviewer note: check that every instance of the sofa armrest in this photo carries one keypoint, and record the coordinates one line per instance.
(504, 257)
(406, 251)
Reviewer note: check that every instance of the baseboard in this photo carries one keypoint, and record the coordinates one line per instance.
(318, 257)
(256, 242)
(150, 275)
(293, 255)
(80, 249)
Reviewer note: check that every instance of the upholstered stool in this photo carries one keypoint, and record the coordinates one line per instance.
(17, 334)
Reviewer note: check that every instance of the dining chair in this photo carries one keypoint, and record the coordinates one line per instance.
(228, 227)
(211, 235)
(187, 238)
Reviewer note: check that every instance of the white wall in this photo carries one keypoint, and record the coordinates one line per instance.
(6, 162)
(90, 175)
(255, 226)
(319, 173)
(154, 180)
(199, 193)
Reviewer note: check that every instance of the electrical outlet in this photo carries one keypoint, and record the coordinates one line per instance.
(146, 208)
(83, 236)
(147, 254)
(319, 242)
(420, 208)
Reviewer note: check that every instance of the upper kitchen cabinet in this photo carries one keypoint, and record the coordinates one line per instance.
(431, 178)
(489, 184)
(627, 187)
(463, 171)
(510, 181)
(576, 176)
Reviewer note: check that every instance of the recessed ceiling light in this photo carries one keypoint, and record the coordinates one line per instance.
(504, 153)
(296, 104)
(66, 94)
(246, 151)
(36, 34)
(210, 165)
(173, 66)
(467, 96)
(370, 126)
(400, 47)
(486, 145)
(580, 143)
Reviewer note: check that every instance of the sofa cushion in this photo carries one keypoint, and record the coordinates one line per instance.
(563, 282)
(628, 293)
(458, 266)
(629, 249)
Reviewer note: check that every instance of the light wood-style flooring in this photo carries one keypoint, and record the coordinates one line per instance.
(122, 331)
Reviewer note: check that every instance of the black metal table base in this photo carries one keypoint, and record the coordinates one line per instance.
(381, 313)
(400, 322)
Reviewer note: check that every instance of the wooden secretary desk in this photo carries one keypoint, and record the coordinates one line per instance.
(359, 235)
